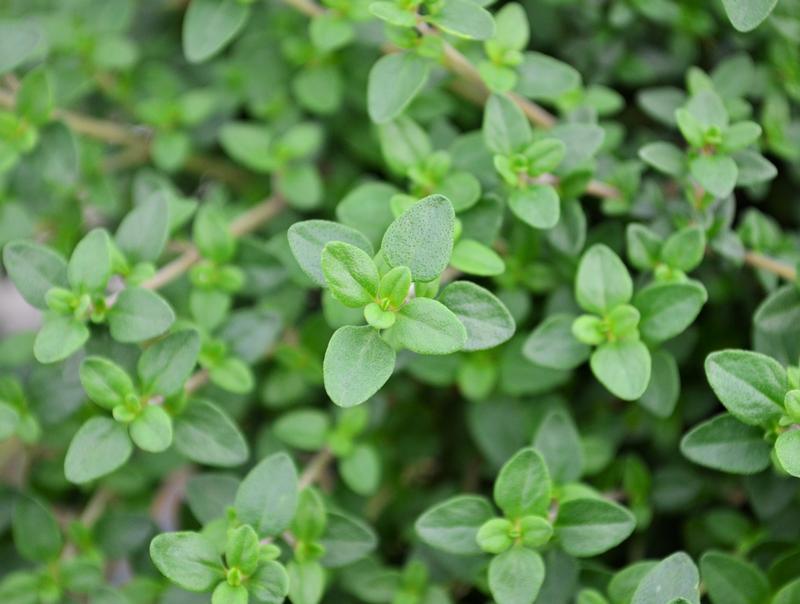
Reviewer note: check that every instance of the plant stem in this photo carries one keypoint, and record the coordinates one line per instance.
(137, 139)
(246, 223)
(757, 260)
(316, 466)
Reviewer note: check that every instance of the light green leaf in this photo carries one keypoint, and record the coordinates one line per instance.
(90, 263)
(746, 15)
(394, 81)
(350, 274)
(474, 258)
(249, 144)
(536, 205)
(188, 559)
(552, 344)
(35, 530)
(667, 309)
(139, 314)
(750, 385)
(716, 173)
(464, 18)
(307, 239)
(664, 157)
(361, 470)
(623, 368)
(505, 128)
(357, 364)
(99, 447)
(34, 269)
(602, 281)
(59, 337)
(105, 382)
(731, 580)
(684, 249)
(143, 232)
(522, 487)
(787, 449)
(267, 497)
(428, 327)
(210, 25)
(543, 77)
(304, 429)
(421, 238)
(306, 582)
(673, 578)
(152, 429)
(270, 583)
(346, 540)
(205, 434)
(487, 320)
(516, 576)
(165, 366)
(452, 526)
(726, 444)
(587, 527)
(558, 442)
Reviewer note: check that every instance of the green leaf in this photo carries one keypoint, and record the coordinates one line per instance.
(267, 497)
(787, 450)
(306, 582)
(350, 274)
(90, 263)
(788, 594)
(270, 583)
(516, 576)
(188, 559)
(143, 232)
(667, 309)
(452, 526)
(602, 281)
(684, 249)
(505, 128)
(249, 144)
(643, 245)
(361, 470)
(99, 447)
(165, 366)
(421, 238)
(105, 382)
(307, 239)
(664, 157)
(582, 142)
(552, 344)
(305, 429)
(522, 487)
(19, 39)
(59, 337)
(753, 168)
(726, 444)
(428, 327)
(558, 442)
(464, 18)
(394, 81)
(205, 434)
(623, 368)
(346, 540)
(152, 429)
(730, 580)
(673, 578)
(474, 258)
(357, 364)
(139, 314)
(366, 209)
(716, 173)
(330, 31)
(209, 495)
(404, 144)
(543, 77)
(512, 29)
(34, 269)
(211, 234)
(210, 25)
(750, 385)
(664, 388)
(487, 320)
(587, 527)
(536, 205)
(35, 97)
(35, 530)
(224, 593)
(746, 15)
(9, 421)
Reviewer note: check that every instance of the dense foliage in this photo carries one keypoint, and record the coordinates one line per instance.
(399, 301)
